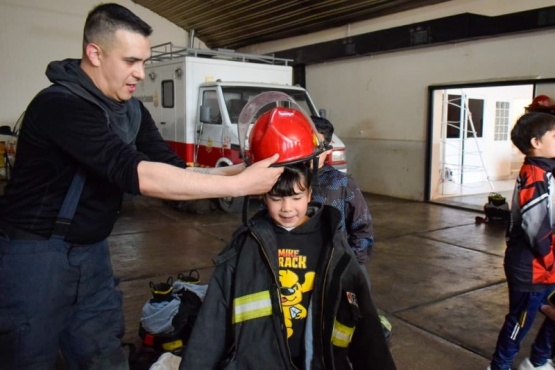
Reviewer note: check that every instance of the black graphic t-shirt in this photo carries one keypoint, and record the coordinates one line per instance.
(298, 253)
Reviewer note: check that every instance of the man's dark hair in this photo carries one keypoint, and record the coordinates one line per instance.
(299, 173)
(324, 127)
(104, 20)
(529, 126)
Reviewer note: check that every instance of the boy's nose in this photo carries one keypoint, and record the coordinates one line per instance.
(285, 205)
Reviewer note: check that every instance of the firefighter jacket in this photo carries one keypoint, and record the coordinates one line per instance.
(241, 323)
(529, 257)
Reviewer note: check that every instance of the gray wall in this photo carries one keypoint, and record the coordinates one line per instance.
(379, 103)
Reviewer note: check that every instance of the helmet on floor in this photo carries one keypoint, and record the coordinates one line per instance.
(285, 131)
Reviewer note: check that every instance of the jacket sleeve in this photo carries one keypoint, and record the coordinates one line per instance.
(211, 338)
(368, 349)
(533, 199)
(358, 222)
(71, 129)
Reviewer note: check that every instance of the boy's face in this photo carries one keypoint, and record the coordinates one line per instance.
(290, 211)
(545, 145)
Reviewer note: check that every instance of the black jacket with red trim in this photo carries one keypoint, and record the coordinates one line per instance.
(530, 253)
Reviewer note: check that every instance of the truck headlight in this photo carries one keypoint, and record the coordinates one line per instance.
(338, 156)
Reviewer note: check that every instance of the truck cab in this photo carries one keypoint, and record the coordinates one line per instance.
(222, 103)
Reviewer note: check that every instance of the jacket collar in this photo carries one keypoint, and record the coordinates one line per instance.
(547, 164)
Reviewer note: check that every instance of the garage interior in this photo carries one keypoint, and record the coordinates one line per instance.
(235, 25)
(436, 273)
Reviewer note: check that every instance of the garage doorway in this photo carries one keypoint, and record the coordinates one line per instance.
(470, 153)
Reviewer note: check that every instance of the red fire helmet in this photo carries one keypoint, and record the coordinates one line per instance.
(542, 101)
(285, 131)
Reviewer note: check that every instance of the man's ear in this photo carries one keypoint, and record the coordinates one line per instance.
(93, 53)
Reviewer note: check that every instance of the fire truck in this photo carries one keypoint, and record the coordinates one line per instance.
(195, 97)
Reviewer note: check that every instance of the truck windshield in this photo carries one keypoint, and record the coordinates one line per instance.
(237, 96)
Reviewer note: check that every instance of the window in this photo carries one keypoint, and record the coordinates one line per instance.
(237, 96)
(210, 99)
(501, 128)
(167, 94)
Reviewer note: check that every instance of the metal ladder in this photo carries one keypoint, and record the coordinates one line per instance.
(465, 125)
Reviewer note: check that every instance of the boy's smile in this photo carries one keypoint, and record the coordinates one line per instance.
(289, 212)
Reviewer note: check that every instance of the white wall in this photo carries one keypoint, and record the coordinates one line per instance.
(35, 32)
(379, 103)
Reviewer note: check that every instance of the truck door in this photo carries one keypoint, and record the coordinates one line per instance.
(209, 139)
(167, 112)
(167, 122)
(158, 94)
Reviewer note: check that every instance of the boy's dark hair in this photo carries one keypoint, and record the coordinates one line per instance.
(104, 20)
(529, 126)
(324, 127)
(299, 173)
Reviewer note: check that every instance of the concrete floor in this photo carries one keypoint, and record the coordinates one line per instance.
(436, 274)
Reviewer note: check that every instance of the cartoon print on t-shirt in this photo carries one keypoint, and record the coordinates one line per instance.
(291, 292)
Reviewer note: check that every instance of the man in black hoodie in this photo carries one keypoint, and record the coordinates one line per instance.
(84, 142)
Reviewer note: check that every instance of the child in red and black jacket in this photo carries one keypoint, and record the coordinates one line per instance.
(529, 257)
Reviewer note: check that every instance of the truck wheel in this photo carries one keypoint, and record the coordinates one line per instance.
(231, 205)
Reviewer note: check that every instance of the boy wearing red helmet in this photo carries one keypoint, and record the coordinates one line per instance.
(287, 291)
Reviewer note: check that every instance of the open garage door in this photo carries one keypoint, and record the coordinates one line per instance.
(470, 152)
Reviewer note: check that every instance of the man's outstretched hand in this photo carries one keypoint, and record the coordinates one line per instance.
(259, 177)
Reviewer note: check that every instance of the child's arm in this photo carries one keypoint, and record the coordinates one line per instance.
(534, 204)
(358, 222)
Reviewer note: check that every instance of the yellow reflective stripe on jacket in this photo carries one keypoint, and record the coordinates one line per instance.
(341, 336)
(252, 306)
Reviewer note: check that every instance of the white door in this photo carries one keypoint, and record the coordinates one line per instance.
(168, 103)
(209, 143)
